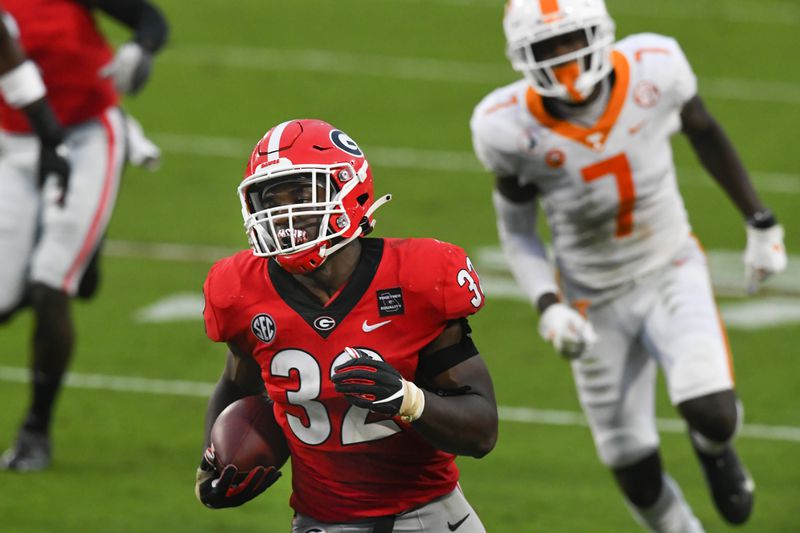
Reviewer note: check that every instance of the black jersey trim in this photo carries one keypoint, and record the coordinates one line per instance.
(315, 314)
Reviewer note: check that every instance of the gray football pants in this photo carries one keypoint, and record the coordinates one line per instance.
(450, 513)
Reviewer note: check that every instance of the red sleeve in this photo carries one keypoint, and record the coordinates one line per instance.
(219, 288)
(461, 292)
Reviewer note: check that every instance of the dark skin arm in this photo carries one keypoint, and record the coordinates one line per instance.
(41, 117)
(10, 53)
(512, 191)
(147, 21)
(463, 423)
(718, 156)
(241, 377)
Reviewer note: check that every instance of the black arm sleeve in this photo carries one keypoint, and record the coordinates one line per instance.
(144, 18)
(44, 122)
(437, 362)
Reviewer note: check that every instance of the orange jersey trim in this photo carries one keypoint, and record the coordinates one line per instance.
(641, 51)
(600, 131)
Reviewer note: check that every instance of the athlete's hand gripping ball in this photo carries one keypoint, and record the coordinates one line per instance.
(567, 330)
(377, 386)
(764, 256)
(218, 490)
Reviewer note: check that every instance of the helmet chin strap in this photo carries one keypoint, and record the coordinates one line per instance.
(325, 252)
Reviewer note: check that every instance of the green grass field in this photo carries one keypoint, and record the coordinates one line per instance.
(401, 77)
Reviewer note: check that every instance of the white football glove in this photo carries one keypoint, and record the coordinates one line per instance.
(765, 255)
(142, 152)
(129, 69)
(567, 330)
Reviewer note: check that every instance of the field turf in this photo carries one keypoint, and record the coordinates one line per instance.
(401, 77)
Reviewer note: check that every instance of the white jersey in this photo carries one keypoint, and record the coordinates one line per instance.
(609, 191)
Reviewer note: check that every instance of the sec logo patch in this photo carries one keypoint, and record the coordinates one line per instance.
(263, 327)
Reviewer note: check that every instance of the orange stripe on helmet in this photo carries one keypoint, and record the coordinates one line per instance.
(548, 7)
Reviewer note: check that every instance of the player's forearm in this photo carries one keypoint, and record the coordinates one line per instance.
(22, 88)
(10, 53)
(462, 424)
(44, 122)
(720, 159)
(524, 250)
(225, 393)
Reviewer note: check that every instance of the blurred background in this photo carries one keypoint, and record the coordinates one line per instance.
(401, 77)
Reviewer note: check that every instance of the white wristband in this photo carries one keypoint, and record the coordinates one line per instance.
(22, 85)
(413, 402)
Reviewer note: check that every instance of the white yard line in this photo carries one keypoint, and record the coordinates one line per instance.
(526, 415)
(435, 160)
(493, 73)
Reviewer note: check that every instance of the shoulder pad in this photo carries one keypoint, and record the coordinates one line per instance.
(448, 281)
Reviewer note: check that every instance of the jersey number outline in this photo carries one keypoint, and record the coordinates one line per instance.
(355, 428)
(465, 277)
(619, 167)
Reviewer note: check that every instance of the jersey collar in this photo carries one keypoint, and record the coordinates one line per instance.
(325, 318)
(593, 137)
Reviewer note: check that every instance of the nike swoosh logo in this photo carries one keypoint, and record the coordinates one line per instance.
(635, 129)
(453, 527)
(398, 394)
(366, 328)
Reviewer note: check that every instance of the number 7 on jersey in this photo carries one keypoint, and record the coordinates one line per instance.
(618, 167)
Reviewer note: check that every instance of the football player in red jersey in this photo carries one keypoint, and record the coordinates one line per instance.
(59, 90)
(362, 343)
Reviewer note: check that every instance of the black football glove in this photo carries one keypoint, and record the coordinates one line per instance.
(217, 490)
(53, 160)
(53, 153)
(377, 386)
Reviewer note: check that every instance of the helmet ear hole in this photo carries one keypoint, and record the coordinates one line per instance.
(362, 198)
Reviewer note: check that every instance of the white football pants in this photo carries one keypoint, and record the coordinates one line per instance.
(40, 241)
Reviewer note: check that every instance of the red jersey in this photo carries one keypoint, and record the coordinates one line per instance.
(61, 37)
(347, 464)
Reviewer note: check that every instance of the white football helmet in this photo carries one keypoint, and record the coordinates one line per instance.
(529, 22)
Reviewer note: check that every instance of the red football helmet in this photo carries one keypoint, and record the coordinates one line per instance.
(307, 192)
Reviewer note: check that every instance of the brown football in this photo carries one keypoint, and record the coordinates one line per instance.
(246, 435)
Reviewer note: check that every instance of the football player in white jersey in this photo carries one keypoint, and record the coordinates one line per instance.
(586, 135)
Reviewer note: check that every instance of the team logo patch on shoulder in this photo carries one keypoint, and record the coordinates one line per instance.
(324, 323)
(263, 327)
(390, 302)
(343, 142)
(646, 94)
(555, 158)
